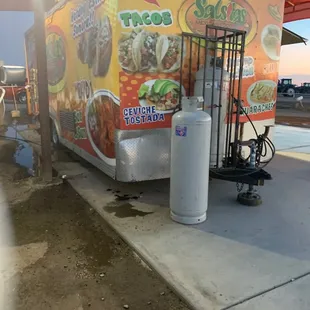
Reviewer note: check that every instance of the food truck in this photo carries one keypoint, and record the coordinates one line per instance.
(115, 74)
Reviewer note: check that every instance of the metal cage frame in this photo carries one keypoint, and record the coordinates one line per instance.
(221, 48)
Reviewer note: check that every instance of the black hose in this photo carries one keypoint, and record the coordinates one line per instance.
(263, 143)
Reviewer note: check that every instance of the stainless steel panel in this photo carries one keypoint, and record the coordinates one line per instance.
(142, 155)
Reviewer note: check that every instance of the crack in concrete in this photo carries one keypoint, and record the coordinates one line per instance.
(267, 291)
(294, 147)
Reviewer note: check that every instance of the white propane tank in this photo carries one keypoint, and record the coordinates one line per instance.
(198, 91)
(190, 157)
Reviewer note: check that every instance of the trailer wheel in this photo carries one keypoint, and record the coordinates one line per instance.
(54, 135)
(22, 98)
(249, 199)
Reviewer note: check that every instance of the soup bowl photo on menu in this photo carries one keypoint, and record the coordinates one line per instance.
(102, 118)
(163, 94)
(262, 92)
(271, 41)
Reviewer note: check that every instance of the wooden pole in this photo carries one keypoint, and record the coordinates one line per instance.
(39, 28)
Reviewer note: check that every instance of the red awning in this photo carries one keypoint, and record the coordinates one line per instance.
(296, 10)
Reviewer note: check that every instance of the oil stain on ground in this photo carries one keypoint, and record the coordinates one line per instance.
(125, 210)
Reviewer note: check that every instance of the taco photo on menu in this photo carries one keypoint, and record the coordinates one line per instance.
(94, 47)
(91, 46)
(103, 47)
(163, 94)
(145, 49)
(82, 49)
(169, 53)
(125, 50)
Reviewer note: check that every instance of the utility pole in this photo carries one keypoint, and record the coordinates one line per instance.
(40, 39)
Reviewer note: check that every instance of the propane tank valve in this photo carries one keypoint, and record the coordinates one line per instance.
(190, 104)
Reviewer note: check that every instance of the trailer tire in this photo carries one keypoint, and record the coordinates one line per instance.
(250, 200)
(54, 135)
(22, 97)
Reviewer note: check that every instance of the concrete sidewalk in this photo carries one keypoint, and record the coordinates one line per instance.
(241, 258)
(236, 256)
(292, 139)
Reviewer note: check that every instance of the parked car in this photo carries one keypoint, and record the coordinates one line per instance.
(19, 91)
(286, 87)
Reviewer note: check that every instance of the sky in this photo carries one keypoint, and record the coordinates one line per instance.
(12, 28)
(295, 59)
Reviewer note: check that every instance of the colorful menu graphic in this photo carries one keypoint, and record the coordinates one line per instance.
(116, 64)
(193, 16)
(151, 35)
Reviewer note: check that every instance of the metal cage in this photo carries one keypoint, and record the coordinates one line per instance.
(221, 50)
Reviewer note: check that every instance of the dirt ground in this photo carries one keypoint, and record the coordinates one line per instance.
(293, 117)
(293, 121)
(65, 257)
